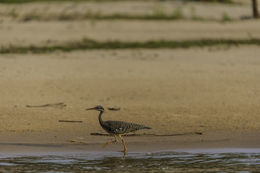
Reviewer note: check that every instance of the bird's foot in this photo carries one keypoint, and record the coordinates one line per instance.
(109, 142)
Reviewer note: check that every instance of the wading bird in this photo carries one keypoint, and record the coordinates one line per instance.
(117, 128)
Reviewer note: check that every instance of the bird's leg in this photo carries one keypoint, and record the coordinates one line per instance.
(112, 141)
(123, 142)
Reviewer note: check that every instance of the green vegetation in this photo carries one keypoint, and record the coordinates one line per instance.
(13, 13)
(194, 15)
(225, 17)
(176, 15)
(88, 44)
(159, 13)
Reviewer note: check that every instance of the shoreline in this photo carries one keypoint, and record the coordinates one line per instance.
(210, 141)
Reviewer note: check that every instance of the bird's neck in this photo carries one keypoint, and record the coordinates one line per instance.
(99, 117)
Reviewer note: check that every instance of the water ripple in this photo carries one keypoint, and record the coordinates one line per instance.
(135, 162)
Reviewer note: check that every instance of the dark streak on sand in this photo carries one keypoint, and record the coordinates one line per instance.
(150, 134)
(89, 44)
(113, 109)
(70, 121)
(57, 105)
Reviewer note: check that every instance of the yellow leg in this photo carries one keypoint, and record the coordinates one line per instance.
(112, 141)
(123, 142)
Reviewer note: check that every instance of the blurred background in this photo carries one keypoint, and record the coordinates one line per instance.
(49, 23)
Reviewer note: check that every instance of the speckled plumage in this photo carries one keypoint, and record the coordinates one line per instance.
(121, 127)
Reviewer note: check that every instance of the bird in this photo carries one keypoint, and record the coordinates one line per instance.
(117, 128)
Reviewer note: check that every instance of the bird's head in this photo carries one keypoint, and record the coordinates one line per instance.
(98, 108)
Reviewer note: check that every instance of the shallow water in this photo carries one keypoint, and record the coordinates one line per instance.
(240, 161)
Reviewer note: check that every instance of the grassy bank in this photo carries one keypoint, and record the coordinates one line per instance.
(176, 15)
(158, 14)
(88, 44)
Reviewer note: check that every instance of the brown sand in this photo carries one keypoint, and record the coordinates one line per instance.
(214, 91)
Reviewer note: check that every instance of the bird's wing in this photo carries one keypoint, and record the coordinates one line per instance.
(124, 127)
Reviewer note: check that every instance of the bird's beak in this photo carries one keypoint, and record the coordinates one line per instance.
(90, 109)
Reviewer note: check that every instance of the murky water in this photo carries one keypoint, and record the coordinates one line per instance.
(189, 161)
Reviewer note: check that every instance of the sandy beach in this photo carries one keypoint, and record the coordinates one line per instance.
(196, 97)
(215, 92)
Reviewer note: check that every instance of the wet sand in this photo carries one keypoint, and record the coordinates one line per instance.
(212, 141)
